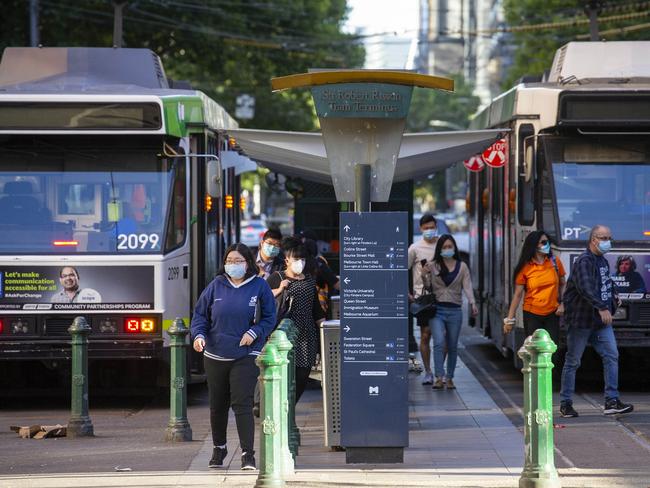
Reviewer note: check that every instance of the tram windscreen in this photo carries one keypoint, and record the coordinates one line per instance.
(83, 203)
(606, 184)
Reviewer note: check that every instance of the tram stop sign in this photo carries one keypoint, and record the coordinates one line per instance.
(496, 155)
(475, 163)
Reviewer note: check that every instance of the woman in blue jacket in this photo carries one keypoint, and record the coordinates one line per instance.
(231, 335)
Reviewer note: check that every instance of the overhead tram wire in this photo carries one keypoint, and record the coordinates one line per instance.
(226, 37)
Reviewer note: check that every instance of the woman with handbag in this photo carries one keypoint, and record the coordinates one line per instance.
(298, 297)
(226, 330)
(450, 278)
(539, 280)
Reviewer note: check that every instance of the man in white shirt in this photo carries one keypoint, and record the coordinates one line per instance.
(419, 253)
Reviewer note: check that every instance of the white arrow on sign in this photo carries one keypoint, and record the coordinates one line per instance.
(346, 228)
(396, 229)
(346, 280)
(346, 328)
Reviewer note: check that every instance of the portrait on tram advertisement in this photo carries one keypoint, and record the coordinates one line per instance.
(72, 287)
(630, 273)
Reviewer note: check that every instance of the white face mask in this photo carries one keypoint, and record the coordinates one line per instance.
(297, 266)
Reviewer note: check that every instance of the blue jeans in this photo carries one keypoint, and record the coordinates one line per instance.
(604, 343)
(445, 327)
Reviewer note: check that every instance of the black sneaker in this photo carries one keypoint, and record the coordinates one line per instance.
(248, 461)
(567, 410)
(218, 455)
(614, 406)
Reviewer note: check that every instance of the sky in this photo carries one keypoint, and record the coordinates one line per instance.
(399, 22)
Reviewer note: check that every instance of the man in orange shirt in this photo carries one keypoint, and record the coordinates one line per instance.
(539, 279)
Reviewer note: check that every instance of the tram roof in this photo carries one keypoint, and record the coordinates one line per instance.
(302, 154)
(102, 74)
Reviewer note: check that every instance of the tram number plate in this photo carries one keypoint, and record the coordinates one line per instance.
(137, 241)
(173, 273)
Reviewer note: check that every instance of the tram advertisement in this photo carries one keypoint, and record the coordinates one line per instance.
(70, 287)
(630, 273)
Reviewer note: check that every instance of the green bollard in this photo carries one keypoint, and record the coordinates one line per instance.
(294, 434)
(271, 463)
(279, 339)
(79, 424)
(178, 428)
(539, 467)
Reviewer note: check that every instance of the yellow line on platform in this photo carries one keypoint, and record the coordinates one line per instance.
(361, 76)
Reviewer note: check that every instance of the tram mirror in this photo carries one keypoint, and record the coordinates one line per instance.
(529, 158)
(213, 178)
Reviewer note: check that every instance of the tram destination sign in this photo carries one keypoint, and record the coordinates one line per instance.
(374, 329)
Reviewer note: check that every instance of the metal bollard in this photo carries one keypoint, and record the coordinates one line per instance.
(178, 428)
(279, 339)
(539, 466)
(79, 424)
(294, 434)
(271, 463)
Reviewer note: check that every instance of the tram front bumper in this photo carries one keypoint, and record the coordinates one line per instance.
(97, 349)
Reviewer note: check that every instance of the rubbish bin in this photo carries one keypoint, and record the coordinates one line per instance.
(335, 307)
(330, 336)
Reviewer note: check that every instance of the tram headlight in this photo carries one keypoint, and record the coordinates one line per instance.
(19, 326)
(108, 326)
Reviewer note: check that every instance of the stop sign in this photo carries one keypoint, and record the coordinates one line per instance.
(497, 154)
(475, 163)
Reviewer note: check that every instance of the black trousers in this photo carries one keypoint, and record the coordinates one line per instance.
(302, 376)
(231, 384)
(550, 323)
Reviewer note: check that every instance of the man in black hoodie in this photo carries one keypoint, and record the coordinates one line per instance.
(589, 301)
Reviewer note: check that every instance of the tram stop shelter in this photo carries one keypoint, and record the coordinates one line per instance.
(361, 151)
(393, 156)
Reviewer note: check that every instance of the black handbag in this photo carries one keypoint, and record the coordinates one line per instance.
(283, 303)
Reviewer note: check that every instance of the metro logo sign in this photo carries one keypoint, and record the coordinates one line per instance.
(496, 155)
(475, 163)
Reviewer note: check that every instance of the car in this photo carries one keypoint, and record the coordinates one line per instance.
(251, 232)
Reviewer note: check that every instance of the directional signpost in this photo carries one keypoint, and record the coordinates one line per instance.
(374, 335)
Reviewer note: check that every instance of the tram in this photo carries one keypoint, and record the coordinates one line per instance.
(578, 155)
(113, 205)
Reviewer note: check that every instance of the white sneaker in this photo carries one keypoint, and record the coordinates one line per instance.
(428, 379)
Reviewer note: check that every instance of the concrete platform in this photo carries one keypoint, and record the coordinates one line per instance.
(458, 438)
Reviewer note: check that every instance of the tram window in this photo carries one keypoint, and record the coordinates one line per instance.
(526, 185)
(176, 225)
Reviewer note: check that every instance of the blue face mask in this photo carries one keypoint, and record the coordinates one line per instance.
(447, 253)
(430, 234)
(604, 246)
(235, 271)
(270, 250)
(545, 249)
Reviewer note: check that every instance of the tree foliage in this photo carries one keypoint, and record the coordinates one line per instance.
(535, 48)
(223, 47)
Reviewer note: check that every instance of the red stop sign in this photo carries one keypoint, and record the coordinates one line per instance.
(475, 163)
(497, 154)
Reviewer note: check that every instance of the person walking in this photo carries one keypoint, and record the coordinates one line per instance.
(450, 279)
(232, 319)
(420, 253)
(298, 290)
(589, 302)
(539, 280)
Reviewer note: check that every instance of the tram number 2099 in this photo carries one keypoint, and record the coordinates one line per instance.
(137, 241)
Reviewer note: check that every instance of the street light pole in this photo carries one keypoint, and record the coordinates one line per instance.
(118, 8)
(33, 23)
(591, 9)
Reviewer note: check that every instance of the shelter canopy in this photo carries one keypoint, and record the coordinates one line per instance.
(302, 154)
